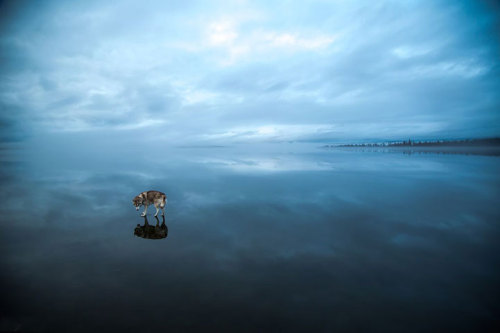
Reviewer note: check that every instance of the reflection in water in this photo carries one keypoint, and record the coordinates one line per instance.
(283, 240)
(443, 150)
(152, 232)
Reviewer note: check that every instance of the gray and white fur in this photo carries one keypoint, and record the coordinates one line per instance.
(159, 199)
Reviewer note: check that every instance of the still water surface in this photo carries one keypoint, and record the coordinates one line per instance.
(271, 238)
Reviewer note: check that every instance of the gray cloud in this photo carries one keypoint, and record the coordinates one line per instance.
(252, 71)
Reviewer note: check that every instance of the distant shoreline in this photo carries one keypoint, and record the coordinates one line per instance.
(429, 143)
(485, 146)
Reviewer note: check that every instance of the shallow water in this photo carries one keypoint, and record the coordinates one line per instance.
(282, 237)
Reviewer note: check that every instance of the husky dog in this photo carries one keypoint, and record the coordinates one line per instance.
(159, 199)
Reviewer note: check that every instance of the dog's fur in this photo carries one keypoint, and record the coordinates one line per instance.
(159, 199)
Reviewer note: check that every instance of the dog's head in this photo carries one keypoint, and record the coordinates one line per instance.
(138, 201)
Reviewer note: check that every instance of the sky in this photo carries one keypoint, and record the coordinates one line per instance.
(213, 72)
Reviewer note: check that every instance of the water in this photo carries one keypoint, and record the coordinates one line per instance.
(283, 237)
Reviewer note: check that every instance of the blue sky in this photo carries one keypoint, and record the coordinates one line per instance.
(250, 71)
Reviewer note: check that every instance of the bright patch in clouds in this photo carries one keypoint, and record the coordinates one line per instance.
(271, 132)
(221, 33)
(406, 52)
(296, 42)
(258, 44)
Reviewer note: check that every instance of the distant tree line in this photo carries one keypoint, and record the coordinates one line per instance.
(430, 143)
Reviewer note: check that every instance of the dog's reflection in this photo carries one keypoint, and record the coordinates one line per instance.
(152, 231)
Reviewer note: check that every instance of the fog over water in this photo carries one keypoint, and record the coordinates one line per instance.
(285, 237)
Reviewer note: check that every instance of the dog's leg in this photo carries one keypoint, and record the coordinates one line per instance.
(145, 210)
(157, 209)
(162, 206)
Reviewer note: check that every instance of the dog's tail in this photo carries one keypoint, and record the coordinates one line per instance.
(164, 202)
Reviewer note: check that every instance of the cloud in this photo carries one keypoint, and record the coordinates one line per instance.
(201, 71)
(221, 33)
(406, 52)
(296, 42)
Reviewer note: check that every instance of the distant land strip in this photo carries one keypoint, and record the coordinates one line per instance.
(485, 146)
(428, 143)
